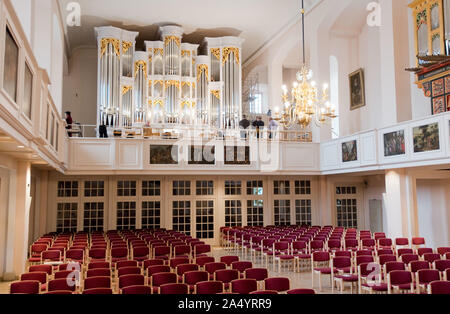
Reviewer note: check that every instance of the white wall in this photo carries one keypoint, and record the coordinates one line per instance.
(23, 10)
(433, 202)
(80, 86)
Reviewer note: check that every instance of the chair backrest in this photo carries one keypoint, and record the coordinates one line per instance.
(39, 276)
(383, 259)
(301, 291)
(133, 270)
(182, 249)
(385, 242)
(98, 291)
(443, 250)
(162, 250)
(402, 241)
(75, 254)
(439, 287)
(151, 270)
(241, 266)
(61, 285)
(341, 262)
(425, 276)
(277, 284)
(131, 280)
(97, 253)
(424, 250)
(320, 256)
(97, 282)
(229, 259)
(226, 275)
(441, 265)
(174, 288)
(259, 274)
(418, 241)
(122, 264)
(263, 292)
(140, 251)
(95, 265)
(415, 266)
(401, 252)
(343, 254)
(202, 260)
(98, 272)
(202, 249)
(152, 262)
(244, 286)
(400, 277)
(431, 257)
(408, 258)
(137, 290)
(209, 287)
(41, 268)
(159, 279)
(25, 287)
(193, 277)
(174, 262)
(364, 259)
(183, 268)
(385, 252)
(393, 266)
(51, 255)
(213, 267)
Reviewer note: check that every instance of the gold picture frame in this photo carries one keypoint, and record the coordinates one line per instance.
(357, 89)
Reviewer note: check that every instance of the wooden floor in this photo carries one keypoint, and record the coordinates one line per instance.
(298, 280)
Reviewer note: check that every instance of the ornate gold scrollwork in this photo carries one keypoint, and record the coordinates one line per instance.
(150, 83)
(158, 51)
(159, 82)
(174, 38)
(226, 54)
(185, 53)
(104, 44)
(216, 93)
(184, 103)
(126, 89)
(185, 83)
(193, 104)
(138, 64)
(150, 59)
(216, 53)
(125, 46)
(172, 83)
(200, 69)
(158, 102)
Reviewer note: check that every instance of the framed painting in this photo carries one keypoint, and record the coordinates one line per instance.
(163, 154)
(394, 143)
(426, 138)
(357, 90)
(202, 155)
(349, 151)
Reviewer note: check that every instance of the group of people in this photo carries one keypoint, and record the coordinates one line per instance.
(258, 124)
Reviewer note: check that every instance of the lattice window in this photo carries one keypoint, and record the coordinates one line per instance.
(126, 215)
(181, 216)
(233, 187)
(233, 213)
(347, 207)
(255, 188)
(303, 187)
(126, 188)
(303, 212)
(205, 219)
(281, 188)
(151, 188)
(204, 187)
(282, 211)
(151, 215)
(93, 219)
(67, 188)
(181, 188)
(94, 188)
(255, 213)
(66, 220)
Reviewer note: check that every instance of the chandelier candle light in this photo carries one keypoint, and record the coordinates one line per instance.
(304, 105)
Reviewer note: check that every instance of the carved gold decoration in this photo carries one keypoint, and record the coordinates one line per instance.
(200, 69)
(184, 103)
(170, 38)
(172, 83)
(193, 104)
(158, 102)
(138, 64)
(125, 46)
(216, 93)
(185, 83)
(158, 82)
(104, 44)
(185, 53)
(216, 52)
(150, 59)
(150, 83)
(126, 89)
(226, 54)
(159, 51)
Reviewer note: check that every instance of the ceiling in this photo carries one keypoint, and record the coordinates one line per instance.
(257, 21)
(14, 149)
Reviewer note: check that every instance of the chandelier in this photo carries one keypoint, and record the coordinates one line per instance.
(304, 105)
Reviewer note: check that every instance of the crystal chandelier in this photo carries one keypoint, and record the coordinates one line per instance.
(304, 105)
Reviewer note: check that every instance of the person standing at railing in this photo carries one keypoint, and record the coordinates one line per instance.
(258, 124)
(273, 126)
(244, 124)
(69, 122)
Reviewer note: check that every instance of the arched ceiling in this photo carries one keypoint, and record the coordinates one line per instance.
(257, 21)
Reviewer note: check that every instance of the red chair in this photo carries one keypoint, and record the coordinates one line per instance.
(59, 292)
(42, 277)
(131, 280)
(160, 279)
(51, 256)
(129, 271)
(424, 250)
(174, 288)
(415, 266)
(174, 262)
(151, 270)
(152, 262)
(35, 252)
(98, 272)
(182, 250)
(201, 261)
(119, 254)
(334, 245)
(401, 252)
(408, 258)
(370, 278)
(226, 276)
(25, 287)
(351, 244)
(191, 278)
(443, 250)
(140, 253)
(281, 254)
(439, 287)
(244, 286)
(228, 260)
(75, 255)
(385, 252)
(320, 258)
(122, 264)
(61, 285)
(263, 292)
(201, 250)
(97, 255)
(301, 291)
(343, 267)
(96, 265)
(209, 287)
(211, 268)
(391, 266)
(447, 274)
(426, 276)
(400, 280)
(184, 268)
(98, 291)
(137, 290)
(431, 257)
(368, 244)
(241, 267)
(259, 274)
(418, 241)
(161, 252)
(364, 259)
(383, 259)
(277, 284)
(97, 282)
(441, 265)
(63, 274)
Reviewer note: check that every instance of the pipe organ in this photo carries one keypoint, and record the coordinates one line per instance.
(168, 84)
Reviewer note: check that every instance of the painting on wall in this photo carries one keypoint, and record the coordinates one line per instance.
(163, 154)
(11, 63)
(357, 90)
(349, 151)
(394, 143)
(237, 155)
(202, 155)
(426, 138)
